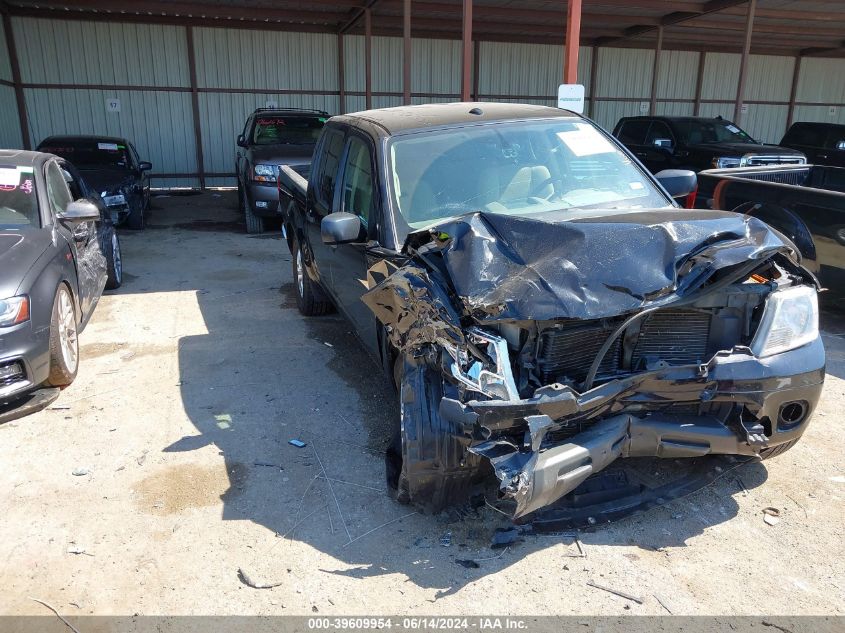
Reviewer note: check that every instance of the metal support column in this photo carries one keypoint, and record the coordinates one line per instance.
(368, 58)
(655, 72)
(16, 80)
(195, 103)
(573, 41)
(406, 52)
(466, 52)
(743, 64)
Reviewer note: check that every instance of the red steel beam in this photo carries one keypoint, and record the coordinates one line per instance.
(466, 53)
(573, 41)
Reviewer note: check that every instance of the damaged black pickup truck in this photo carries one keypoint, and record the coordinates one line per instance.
(542, 303)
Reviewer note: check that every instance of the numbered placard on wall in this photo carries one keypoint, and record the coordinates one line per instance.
(112, 104)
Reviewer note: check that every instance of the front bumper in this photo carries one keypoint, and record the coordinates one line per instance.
(263, 199)
(30, 348)
(633, 417)
(118, 213)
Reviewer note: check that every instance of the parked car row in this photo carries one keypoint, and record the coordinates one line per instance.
(542, 304)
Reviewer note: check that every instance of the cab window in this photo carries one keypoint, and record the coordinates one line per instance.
(358, 186)
(327, 170)
(57, 192)
(634, 132)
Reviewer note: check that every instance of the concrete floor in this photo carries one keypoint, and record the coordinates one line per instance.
(197, 372)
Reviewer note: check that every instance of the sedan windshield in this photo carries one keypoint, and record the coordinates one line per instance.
(519, 168)
(91, 154)
(287, 130)
(713, 131)
(18, 202)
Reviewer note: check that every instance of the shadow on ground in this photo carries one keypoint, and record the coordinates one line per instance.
(263, 375)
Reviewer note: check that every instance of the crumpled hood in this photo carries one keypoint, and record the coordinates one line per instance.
(19, 250)
(108, 180)
(740, 149)
(551, 266)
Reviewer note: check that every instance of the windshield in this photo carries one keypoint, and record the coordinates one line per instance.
(520, 168)
(18, 202)
(711, 131)
(91, 154)
(287, 130)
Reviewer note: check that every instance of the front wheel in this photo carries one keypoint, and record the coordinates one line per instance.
(64, 340)
(309, 296)
(114, 263)
(254, 223)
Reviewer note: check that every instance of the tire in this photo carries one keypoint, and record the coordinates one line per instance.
(64, 340)
(254, 223)
(114, 263)
(780, 449)
(136, 219)
(427, 463)
(310, 298)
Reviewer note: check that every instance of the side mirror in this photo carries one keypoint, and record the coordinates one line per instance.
(677, 182)
(80, 211)
(340, 228)
(241, 140)
(145, 166)
(840, 145)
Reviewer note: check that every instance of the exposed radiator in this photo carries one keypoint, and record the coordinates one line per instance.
(670, 336)
(675, 337)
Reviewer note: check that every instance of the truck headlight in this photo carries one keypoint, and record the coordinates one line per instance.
(723, 162)
(790, 320)
(264, 173)
(13, 311)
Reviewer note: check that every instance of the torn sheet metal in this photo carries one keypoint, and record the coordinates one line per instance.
(555, 267)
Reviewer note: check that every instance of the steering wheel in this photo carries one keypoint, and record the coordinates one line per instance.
(552, 180)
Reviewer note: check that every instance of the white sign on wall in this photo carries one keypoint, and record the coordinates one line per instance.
(831, 111)
(112, 104)
(271, 104)
(571, 97)
(644, 107)
(743, 108)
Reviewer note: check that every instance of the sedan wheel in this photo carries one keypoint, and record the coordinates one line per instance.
(114, 263)
(64, 340)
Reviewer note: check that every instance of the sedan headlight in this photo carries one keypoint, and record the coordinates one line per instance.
(13, 311)
(790, 320)
(264, 173)
(723, 162)
(115, 200)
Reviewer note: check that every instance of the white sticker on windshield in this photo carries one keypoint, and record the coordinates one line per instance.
(733, 128)
(636, 185)
(9, 177)
(109, 147)
(586, 140)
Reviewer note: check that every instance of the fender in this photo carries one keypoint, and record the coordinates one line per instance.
(786, 222)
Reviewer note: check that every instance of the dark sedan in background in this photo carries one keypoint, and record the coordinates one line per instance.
(52, 273)
(697, 143)
(112, 167)
(272, 137)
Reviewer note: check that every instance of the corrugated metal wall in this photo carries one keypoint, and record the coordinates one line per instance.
(147, 68)
(10, 129)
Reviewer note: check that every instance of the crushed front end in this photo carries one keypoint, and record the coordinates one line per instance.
(726, 362)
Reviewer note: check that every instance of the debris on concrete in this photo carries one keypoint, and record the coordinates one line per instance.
(446, 539)
(467, 562)
(663, 604)
(58, 615)
(249, 581)
(268, 465)
(504, 537)
(297, 443)
(73, 548)
(771, 516)
(80, 472)
(838, 479)
(615, 592)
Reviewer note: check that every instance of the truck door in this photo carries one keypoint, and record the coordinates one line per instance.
(349, 262)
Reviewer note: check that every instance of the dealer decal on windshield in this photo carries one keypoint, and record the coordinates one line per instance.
(10, 178)
(585, 140)
(109, 147)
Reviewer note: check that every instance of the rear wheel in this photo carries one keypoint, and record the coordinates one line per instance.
(310, 298)
(114, 263)
(64, 341)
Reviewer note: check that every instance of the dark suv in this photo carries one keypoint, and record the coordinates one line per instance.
(272, 137)
(697, 143)
(823, 143)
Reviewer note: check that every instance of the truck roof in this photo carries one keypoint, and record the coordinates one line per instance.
(436, 115)
(93, 138)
